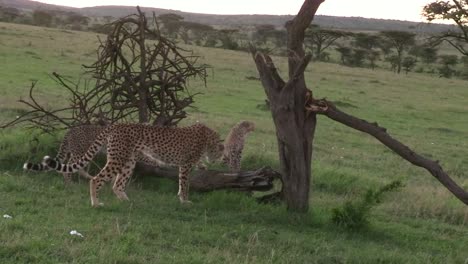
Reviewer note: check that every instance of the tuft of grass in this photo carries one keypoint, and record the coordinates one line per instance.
(355, 215)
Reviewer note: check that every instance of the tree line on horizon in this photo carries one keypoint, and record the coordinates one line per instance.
(397, 51)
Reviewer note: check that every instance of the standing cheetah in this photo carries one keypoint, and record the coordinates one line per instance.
(234, 144)
(74, 145)
(182, 147)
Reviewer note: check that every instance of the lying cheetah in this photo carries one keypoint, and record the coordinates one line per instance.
(234, 144)
(182, 147)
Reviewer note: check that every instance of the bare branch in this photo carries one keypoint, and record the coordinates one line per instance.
(399, 148)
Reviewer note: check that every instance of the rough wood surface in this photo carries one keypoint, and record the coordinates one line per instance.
(294, 129)
(209, 180)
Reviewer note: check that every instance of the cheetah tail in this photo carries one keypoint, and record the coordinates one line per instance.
(35, 166)
(82, 162)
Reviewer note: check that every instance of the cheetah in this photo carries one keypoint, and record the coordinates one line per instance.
(74, 145)
(182, 147)
(234, 144)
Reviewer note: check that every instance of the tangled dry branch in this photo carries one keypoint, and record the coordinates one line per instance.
(83, 107)
(141, 69)
(139, 76)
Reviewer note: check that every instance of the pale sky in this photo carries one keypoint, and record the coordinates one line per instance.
(387, 9)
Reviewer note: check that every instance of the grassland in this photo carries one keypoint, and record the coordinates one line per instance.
(422, 223)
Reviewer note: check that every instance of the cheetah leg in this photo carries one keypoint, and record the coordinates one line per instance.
(184, 172)
(201, 165)
(84, 174)
(67, 178)
(225, 160)
(81, 172)
(122, 180)
(96, 183)
(235, 162)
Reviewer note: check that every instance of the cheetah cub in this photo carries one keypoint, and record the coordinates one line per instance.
(178, 146)
(234, 144)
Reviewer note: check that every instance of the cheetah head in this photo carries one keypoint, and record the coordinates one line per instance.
(215, 147)
(214, 151)
(247, 126)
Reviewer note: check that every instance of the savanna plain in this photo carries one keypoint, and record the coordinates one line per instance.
(420, 223)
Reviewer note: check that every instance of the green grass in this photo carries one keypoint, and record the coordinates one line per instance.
(422, 223)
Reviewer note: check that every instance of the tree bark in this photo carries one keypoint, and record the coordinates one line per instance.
(380, 133)
(294, 129)
(210, 180)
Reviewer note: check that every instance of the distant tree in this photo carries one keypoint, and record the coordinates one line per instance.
(198, 31)
(368, 43)
(226, 36)
(102, 29)
(170, 24)
(400, 41)
(108, 19)
(42, 18)
(212, 38)
(464, 73)
(266, 32)
(464, 60)
(426, 53)
(357, 57)
(456, 11)
(345, 54)
(184, 32)
(409, 63)
(9, 14)
(279, 38)
(393, 60)
(262, 33)
(318, 39)
(372, 57)
(324, 56)
(448, 62)
(77, 19)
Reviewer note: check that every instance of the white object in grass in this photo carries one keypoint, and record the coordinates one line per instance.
(75, 233)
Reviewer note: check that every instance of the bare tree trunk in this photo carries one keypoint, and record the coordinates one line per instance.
(294, 114)
(294, 129)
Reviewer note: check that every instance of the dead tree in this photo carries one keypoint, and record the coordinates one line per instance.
(294, 128)
(143, 72)
(294, 111)
(139, 75)
(209, 180)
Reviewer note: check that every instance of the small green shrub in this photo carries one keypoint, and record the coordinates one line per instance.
(355, 215)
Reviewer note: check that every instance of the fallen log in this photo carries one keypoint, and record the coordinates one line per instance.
(210, 180)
